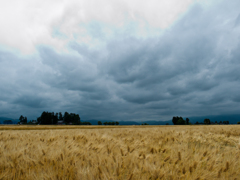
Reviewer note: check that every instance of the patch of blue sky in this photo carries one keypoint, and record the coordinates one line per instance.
(56, 33)
(106, 31)
(16, 51)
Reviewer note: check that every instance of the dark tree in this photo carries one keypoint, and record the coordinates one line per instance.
(181, 121)
(99, 123)
(66, 118)
(187, 121)
(25, 120)
(75, 118)
(178, 121)
(86, 123)
(105, 123)
(57, 116)
(207, 121)
(225, 122)
(175, 120)
(60, 117)
(117, 123)
(45, 118)
(21, 119)
(72, 118)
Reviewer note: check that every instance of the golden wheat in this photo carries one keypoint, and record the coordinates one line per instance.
(124, 152)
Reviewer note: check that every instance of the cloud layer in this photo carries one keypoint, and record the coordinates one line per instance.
(121, 61)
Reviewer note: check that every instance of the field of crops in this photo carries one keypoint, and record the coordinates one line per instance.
(130, 152)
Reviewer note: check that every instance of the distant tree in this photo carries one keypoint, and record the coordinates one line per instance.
(21, 119)
(60, 117)
(225, 122)
(197, 122)
(86, 123)
(175, 120)
(216, 122)
(25, 120)
(145, 124)
(238, 122)
(167, 123)
(75, 119)
(179, 120)
(117, 123)
(220, 122)
(187, 121)
(113, 123)
(105, 123)
(47, 118)
(44, 118)
(207, 121)
(66, 118)
(99, 123)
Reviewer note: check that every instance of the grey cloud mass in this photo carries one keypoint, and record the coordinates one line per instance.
(190, 69)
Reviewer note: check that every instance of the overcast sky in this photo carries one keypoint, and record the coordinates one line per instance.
(120, 60)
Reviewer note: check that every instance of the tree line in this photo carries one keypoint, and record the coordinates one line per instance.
(207, 121)
(180, 121)
(108, 123)
(53, 118)
(50, 118)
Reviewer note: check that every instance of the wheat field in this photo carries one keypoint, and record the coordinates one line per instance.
(128, 152)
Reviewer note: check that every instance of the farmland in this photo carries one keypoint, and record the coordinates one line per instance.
(123, 152)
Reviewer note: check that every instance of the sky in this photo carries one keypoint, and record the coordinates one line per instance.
(120, 60)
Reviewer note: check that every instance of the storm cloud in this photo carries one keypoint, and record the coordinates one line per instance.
(186, 66)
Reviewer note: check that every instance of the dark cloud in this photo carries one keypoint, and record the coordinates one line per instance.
(191, 69)
(31, 101)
